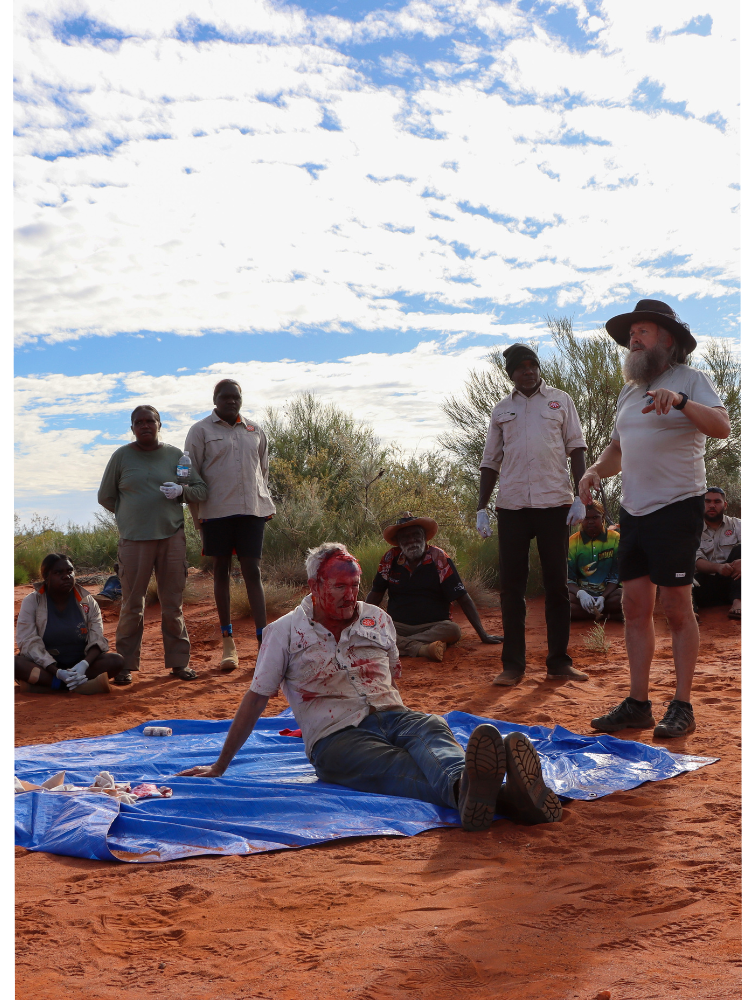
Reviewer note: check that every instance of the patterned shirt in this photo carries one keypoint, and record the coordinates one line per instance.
(330, 685)
(421, 596)
(593, 562)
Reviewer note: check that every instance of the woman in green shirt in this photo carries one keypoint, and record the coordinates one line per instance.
(139, 487)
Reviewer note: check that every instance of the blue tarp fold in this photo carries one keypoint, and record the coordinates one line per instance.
(270, 797)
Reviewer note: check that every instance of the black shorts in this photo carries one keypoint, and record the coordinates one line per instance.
(240, 533)
(662, 545)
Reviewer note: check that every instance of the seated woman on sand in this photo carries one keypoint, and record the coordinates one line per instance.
(59, 635)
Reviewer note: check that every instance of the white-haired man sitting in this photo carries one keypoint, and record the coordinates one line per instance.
(335, 658)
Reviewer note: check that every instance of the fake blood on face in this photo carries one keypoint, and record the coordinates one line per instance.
(336, 590)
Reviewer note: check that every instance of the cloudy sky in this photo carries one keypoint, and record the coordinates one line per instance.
(356, 198)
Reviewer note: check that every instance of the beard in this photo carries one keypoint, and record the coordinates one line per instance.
(641, 367)
(413, 550)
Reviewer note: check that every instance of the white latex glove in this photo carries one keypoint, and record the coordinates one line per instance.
(587, 602)
(576, 512)
(73, 677)
(599, 604)
(483, 524)
(171, 490)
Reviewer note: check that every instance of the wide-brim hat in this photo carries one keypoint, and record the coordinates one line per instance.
(407, 520)
(653, 311)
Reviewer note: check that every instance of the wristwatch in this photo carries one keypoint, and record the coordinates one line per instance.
(680, 406)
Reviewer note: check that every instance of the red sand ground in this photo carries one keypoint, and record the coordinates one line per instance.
(636, 893)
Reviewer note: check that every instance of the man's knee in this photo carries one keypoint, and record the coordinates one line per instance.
(452, 633)
(677, 606)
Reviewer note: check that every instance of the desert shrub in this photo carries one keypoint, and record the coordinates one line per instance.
(279, 599)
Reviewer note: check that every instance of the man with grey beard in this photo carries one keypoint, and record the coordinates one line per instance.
(663, 415)
(422, 581)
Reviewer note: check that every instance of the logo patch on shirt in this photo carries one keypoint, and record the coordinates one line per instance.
(680, 575)
(250, 427)
(368, 622)
(729, 531)
(554, 405)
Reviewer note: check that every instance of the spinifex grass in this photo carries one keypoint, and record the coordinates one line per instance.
(596, 640)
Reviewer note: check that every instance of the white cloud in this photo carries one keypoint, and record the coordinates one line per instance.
(249, 216)
(399, 395)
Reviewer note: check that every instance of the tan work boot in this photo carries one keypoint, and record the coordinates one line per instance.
(230, 657)
(433, 650)
(98, 685)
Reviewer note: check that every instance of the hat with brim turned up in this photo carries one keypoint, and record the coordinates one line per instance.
(407, 520)
(652, 311)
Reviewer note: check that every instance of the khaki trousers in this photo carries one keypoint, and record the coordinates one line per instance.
(136, 560)
(409, 638)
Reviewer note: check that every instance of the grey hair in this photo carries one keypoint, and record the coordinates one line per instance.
(321, 553)
(678, 352)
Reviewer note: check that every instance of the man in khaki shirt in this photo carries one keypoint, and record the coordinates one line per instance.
(533, 431)
(229, 452)
(718, 563)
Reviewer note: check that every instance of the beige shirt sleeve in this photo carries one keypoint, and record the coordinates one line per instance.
(194, 444)
(572, 429)
(264, 459)
(492, 454)
(28, 639)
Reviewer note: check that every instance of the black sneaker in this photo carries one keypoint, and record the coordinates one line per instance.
(630, 714)
(679, 720)
(484, 771)
(525, 798)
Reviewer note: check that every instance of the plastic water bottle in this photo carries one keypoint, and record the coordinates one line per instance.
(183, 469)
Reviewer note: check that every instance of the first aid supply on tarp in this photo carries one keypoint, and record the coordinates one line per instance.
(158, 731)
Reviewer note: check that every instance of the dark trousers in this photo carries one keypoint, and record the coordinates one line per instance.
(516, 528)
(715, 589)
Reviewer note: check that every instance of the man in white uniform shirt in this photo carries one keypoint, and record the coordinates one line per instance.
(335, 658)
(229, 451)
(663, 415)
(534, 433)
(718, 567)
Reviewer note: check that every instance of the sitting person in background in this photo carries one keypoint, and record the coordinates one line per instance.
(59, 635)
(592, 566)
(336, 660)
(422, 582)
(718, 565)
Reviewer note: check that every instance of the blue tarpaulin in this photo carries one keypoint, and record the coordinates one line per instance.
(270, 797)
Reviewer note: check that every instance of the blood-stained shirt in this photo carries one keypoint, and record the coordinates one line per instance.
(330, 685)
(423, 595)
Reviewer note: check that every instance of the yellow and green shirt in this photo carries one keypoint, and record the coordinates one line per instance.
(593, 562)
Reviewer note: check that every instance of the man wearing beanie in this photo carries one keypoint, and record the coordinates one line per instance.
(533, 433)
(663, 415)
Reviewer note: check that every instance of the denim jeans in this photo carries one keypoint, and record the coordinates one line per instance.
(393, 753)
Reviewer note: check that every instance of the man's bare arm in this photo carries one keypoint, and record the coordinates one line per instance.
(711, 420)
(707, 566)
(609, 464)
(374, 597)
(488, 479)
(577, 459)
(251, 708)
(467, 605)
